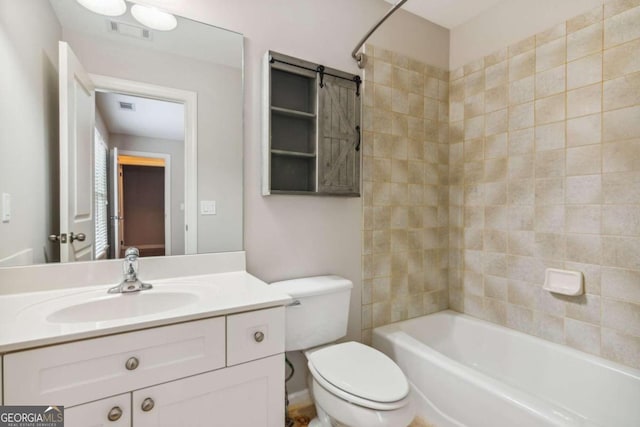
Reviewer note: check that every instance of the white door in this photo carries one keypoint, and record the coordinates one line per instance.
(77, 120)
(114, 202)
(247, 395)
(111, 412)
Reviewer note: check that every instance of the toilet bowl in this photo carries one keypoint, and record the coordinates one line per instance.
(351, 384)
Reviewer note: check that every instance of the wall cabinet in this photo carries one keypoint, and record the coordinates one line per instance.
(311, 128)
(166, 376)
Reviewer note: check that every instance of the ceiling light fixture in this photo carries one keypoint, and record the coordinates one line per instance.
(105, 7)
(154, 18)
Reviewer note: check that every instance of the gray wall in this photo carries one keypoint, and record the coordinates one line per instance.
(175, 149)
(29, 126)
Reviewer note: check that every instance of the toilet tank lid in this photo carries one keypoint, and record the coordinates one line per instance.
(310, 286)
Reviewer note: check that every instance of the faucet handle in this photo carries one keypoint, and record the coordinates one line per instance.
(132, 252)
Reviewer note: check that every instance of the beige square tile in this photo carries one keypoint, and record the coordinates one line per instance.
(551, 34)
(551, 55)
(621, 188)
(381, 265)
(550, 82)
(623, 252)
(381, 241)
(621, 347)
(399, 147)
(614, 7)
(456, 90)
(621, 156)
(495, 287)
(621, 284)
(583, 219)
(586, 19)
(550, 137)
(474, 105)
(521, 217)
(416, 105)
(621, 124)
(495, 75)
(622, 28)
(456, 110)
(522, 116)
(584, 42)
(495, 146)
(382, 96)
(584, 130)
(521, 166)
(582, 336)
(496, 122)
(382, 73)
(584, 71)
(495, 170)
(474, 128)
(550, 163)
(584, 160)
(551, 109)
(495, 217)
(621, 92)
(550, 191)
(381, 314)
(521, 91)
(381, 217)
(431, 87)
(548, 327)
(585, 308)
(521, 142)
(495, 192)
(522, 243)
(550, 246)
(584, 101)
(521, 293)
(399, 170)
(522, 65)
(621, 220)
(519, 318)
(621, 60)
(522, 46)
(521, 192)
(621, 316)
(550, 218)
(495, 240)
(473, 150)
(474, 83)
(495, 57)
(473, 66)
(431, 108)
(456, 74)
(496, 98)
(583, 190)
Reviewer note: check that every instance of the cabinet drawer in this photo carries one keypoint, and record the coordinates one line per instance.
(111, 412)
(70, 374)
(254, 335)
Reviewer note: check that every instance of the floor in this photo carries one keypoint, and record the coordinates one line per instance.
(301, 416)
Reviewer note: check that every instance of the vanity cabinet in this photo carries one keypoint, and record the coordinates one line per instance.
(311, 128)
(196, 373)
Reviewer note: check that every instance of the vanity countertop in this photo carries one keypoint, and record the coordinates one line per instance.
(33, 319)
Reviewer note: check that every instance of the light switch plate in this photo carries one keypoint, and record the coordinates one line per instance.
(6, 207)
(207, 207)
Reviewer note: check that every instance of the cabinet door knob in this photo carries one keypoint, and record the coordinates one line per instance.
(258, 336)
(147, 404)
(132, 363)
(114, 414)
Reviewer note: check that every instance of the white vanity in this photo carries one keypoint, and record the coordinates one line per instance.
(212, 357)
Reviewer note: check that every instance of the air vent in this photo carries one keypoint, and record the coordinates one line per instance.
(129, 30)
(128, 106)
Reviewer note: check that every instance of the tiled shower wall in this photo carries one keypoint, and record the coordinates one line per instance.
(405, 196)
(544, 171)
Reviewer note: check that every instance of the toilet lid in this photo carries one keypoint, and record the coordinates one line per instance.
(361, 371)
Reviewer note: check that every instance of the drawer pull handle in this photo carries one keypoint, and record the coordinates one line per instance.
(148, 404)
(258, 336)
(114, 414)
(132, 363)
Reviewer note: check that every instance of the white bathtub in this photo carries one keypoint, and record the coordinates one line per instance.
(468, 372)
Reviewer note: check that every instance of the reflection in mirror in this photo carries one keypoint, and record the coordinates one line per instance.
(151, 122)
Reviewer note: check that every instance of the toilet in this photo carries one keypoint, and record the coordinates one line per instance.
(351, 384)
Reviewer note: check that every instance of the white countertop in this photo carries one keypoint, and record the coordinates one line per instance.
(24, 324)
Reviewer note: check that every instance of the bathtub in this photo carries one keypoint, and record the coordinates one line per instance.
(468, 372)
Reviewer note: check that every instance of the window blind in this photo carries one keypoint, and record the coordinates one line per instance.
(101, 201)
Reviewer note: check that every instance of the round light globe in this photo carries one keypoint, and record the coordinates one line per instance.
(154, 18)
(105, 7)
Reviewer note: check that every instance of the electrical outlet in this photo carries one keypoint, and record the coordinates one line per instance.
(207, 207)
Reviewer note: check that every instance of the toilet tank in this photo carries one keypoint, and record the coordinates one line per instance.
(319, 312)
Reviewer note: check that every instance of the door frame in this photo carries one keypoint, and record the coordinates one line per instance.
(167, 191)
(190, 101)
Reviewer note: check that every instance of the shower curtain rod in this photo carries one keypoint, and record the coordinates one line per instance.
(361, 58)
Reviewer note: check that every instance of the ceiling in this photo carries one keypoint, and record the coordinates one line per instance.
(152, 118)
(447, 13)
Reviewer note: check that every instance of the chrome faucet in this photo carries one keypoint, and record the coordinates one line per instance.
(131, 283)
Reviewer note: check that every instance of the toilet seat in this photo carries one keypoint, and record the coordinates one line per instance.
(359, 374)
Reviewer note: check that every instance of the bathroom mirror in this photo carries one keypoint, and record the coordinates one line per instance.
(160, 165)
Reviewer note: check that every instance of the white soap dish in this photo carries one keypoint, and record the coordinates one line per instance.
(565, 282)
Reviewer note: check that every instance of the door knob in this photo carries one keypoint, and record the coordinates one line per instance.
(147, 404)
(132, 363)
(114, 414)
(258, 336)
(62, 238)
(81, 237)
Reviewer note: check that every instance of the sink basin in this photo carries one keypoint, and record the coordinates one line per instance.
(112, 307)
